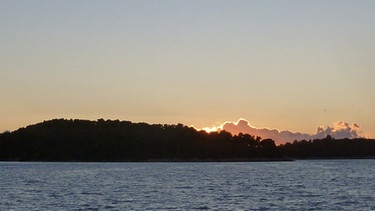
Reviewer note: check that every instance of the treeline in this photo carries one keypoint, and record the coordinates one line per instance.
(114, 140)
(330, 148)
(82, 140)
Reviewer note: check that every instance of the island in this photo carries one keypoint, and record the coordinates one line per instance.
(124, 141)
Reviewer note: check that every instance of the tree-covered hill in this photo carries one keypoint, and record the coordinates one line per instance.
(82, 140)
(114, 140)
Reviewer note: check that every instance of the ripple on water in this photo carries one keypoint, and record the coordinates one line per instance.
(300, 185)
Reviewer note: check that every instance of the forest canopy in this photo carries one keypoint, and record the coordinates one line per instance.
(114, 140)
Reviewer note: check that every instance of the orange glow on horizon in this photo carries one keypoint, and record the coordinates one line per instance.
(212, 129)
(221, 125)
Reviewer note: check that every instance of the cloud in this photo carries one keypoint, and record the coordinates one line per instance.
(339, 130)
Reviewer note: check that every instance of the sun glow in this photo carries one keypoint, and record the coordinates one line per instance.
(221, 126)
(212, 129)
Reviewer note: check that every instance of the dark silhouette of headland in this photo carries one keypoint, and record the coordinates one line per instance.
(120, 141)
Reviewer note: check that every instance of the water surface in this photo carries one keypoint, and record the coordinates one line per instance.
(299, 185)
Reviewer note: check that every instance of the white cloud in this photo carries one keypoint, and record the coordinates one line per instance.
(339, 130)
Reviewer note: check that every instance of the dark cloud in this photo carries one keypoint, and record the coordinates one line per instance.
(339, 130)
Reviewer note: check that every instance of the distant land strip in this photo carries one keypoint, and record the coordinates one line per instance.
(124, 141)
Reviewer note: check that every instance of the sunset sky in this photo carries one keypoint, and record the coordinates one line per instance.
(285, 65)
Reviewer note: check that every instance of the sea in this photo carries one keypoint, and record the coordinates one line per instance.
(296, 185)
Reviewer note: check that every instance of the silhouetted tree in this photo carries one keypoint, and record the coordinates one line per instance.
(114, 140)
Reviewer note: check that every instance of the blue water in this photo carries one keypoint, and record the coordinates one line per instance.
(299, 185)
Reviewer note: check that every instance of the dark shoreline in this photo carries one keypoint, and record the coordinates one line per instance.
(159, 161)
(193, 160)
(63, 140)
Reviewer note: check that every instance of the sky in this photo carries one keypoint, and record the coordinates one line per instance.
(289, 65)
